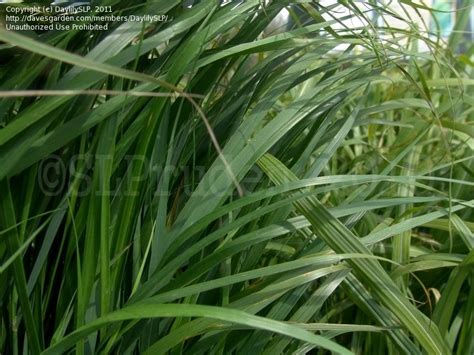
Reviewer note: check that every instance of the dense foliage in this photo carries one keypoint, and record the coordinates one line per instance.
(230, 182)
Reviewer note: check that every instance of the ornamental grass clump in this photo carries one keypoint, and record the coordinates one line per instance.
(238, 177)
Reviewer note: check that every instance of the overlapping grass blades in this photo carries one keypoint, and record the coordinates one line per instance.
(121, 227)
(340, 239)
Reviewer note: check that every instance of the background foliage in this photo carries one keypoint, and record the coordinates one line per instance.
(225, 182)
